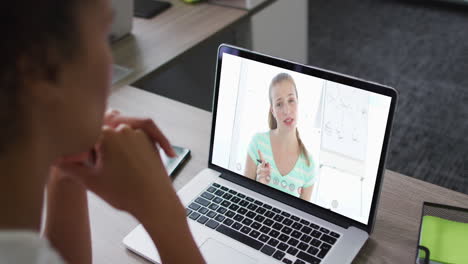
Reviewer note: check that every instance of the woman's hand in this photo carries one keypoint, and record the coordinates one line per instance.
(263, 170)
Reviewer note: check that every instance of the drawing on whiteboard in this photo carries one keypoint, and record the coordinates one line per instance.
(345, 120)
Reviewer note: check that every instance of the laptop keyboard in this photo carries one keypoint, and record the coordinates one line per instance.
(274, 232)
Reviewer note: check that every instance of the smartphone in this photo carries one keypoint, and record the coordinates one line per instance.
(172, 164)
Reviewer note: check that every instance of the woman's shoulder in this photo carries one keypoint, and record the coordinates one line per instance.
(261, 136)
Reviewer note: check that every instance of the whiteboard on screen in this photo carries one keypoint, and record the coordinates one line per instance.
(345, 120)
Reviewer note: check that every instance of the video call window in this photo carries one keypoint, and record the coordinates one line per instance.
(314, 139)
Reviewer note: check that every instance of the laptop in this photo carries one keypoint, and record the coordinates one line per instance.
(248, 207)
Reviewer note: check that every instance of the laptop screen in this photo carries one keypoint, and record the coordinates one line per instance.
(314, 139)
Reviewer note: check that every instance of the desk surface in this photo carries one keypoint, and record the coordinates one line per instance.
(396, 230)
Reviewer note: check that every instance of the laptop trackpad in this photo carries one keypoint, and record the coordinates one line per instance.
(216, 252)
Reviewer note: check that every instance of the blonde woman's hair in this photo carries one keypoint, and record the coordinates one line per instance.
(271, 119)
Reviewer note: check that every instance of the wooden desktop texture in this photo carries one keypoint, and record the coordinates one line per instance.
(154, 44)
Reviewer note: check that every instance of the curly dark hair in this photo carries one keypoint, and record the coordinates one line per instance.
(37, 36)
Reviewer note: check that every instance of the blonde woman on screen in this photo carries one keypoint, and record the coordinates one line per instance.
(278, 158)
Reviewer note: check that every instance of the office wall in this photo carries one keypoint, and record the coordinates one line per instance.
(281, 30)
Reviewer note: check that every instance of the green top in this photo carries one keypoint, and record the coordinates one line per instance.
(446, 240)
(301, 176)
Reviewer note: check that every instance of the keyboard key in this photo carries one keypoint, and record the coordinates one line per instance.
(235, 199)
(246, 230)
(212, 224)
(279, 255)
(194, 206)
(299, 261)
(308, 258)
(295, 218)
(312, 250)
(278, 218)
(234, 207)
(202, 219)
(276, 210)
(254, 234)
(282, 246)
(283, 237)
(247, 221)
(230, 213)
(228, 222)
(221, 210)
(287, 261)
(287, 222)
(236, 226)
(328, 239)
(273, 242)
(260, 210)
(305, 222)
(213, 206)
(238, 217)
(268, 222)
(265, 229)
(267, 250)
(277, 226)
(211, 189)
(257, 202)
(225, 203)
(316, 234)
(239, 237)
(324, 230)
(285, 214)
(259, 218)
(269, 214)
(203, 210)
(335, 235)
(274, 233)
(314, 226)
(325, 246)
(241, 195)
(224, 188)
(249, 199)
(296, 234)
(217, 200)
(316, 242)
(263, 238)
(251, 214)
(194, 215)
(211, 214)
(286, 230)
(293, 242)
(256, 226)
(296, 226)
(303, 246)
(322, 253)
(207, 196)
(244, 203)
(216, 185)
(219, 218)
(232, 192)
(306, 238)
(242, 211)
(306, 230)
(292, 251)
(252, 207)
(267, 206)
(219, 193)
(227, 196)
